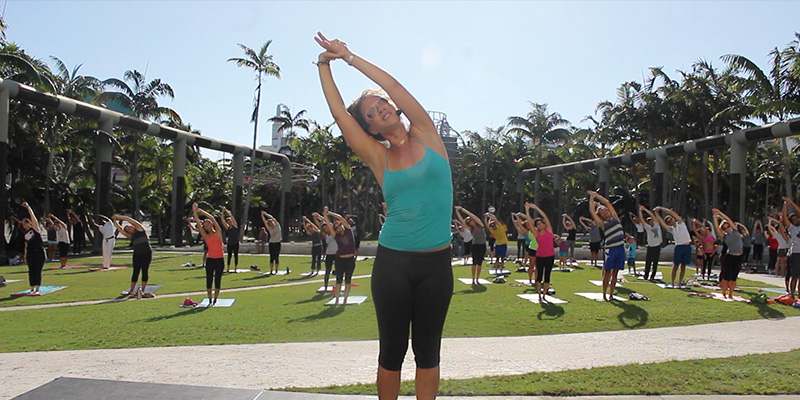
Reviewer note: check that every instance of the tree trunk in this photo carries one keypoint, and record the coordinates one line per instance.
(135, 177)
(252, 161)
(49, 173)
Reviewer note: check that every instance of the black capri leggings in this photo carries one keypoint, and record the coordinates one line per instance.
(544, 266)
(733, 264)
(141, 262)
(35, 266)
(233, 250)
(478, 253)
(274, 252)
(411, 289)
(344, 269)
(329, 259)
(214, 267)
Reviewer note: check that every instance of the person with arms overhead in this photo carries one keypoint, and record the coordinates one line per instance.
(412, 279)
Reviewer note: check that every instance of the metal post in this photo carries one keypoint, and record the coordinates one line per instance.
(659, 181)
(605, 178)
(238, 183)
(178, 189)
(738, 169)
(102, 185)
(558, 187)
(286, 186)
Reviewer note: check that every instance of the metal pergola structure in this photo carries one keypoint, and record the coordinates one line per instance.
(735, 141)
(107, 119)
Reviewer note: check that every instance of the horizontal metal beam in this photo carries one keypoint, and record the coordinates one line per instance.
(774, 130)
(82, 109)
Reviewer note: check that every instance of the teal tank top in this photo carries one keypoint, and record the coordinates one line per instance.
(419, 201)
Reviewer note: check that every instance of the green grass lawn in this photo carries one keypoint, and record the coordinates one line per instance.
(293, 313)
(763, 374)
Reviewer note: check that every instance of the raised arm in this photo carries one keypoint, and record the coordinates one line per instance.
(32, 217)
(659, 218)
(723, 216)
(740, 227)
(717, 220)
(593, 209)
(339, 217)
(582, 220)
(642, 211)
(191, 222)
(421, 122)
(566, 218)
(265, 216)
(547, 223)
(57, 221)
(606, 203)
(477, 220)
(197, 210)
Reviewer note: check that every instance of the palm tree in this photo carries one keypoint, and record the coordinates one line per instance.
(542, 127)
(773, 95)
(141, 101)
(287, 122)
(262, 64)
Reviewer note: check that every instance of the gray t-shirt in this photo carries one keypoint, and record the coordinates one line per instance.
(794, 236)
(734, 242)
(653, 235)
(594, 234)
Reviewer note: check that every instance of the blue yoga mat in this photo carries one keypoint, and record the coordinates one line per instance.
(43, 290)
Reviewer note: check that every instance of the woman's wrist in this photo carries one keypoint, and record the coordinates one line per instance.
(349, 58)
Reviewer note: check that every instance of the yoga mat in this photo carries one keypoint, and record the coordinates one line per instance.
(43, 290)
(20, 280)
(718, 296)
(525, 282)
(659, 275)
(766, 289)
(70, 267)
(564, 269)
(468, 281)
(668, 286)
(350, 300)
(151, 289)
(534, 298)
(495, 271)
(220, 303)
(600, 283)
(307, 273)
(323, 290)
(599, 296)
(108, 269)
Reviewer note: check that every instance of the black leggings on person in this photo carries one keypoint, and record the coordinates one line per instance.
(329, 259)
(344, 269)
(651, 260)
(520, 249)
(141, 263)
(544, 266)
(214, 268)
(274, 252)
(233, 250)
(35, 266)
(733, 264)
(413, 289)
(708, 261)
(316, 257)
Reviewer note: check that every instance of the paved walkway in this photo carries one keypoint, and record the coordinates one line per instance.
(260, 366)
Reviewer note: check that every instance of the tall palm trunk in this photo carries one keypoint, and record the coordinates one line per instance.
(252, 162)
(704, 178)
(135, 177)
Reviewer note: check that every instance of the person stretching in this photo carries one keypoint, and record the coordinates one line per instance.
(274, 229)
(595, 238)
(34, 253)
(331, 247)
(500, 232)
(478, 248)
(345, 255)
(62, 237)
(212, 234)
(724, 226)
(142, 253)
(108, 237)
(545, 253)
(606, 216)
(682, 254)
(316, 245)
(709, 247)
(232, 234)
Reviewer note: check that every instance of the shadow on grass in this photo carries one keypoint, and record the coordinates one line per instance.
(316, 298)
(472, 290)
(328, 312)
(631, 316)
(550, 311)
(188, 311)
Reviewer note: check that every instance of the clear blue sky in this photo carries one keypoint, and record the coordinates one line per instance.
(478, 61)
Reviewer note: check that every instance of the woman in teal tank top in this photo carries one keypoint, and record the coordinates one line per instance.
(412, 279)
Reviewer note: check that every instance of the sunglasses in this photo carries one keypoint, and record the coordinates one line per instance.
(372, 111)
